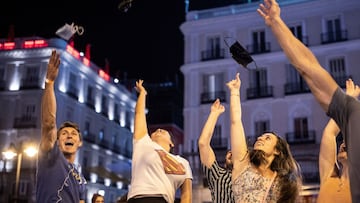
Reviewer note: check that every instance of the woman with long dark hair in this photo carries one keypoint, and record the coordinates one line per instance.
(267, 172)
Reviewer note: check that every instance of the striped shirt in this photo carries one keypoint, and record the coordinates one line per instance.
(219, 180)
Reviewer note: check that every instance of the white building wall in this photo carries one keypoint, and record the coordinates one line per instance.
(239, 22)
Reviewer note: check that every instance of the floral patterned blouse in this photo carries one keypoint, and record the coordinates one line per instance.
(251, 187)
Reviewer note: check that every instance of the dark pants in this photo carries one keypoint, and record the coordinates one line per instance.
(147, 200)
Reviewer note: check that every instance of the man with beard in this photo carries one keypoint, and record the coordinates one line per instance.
(268, 171)
(219, 178)
(57, 177)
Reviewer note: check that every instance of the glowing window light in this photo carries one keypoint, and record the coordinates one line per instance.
(28, 44)
(104, 75)
(73, 51)
(9, 45)
(86, 61)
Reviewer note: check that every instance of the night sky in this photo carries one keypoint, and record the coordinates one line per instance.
(144, 42)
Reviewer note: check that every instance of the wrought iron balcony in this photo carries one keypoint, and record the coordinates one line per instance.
(331, 37)
(303, 137)
(259, 92)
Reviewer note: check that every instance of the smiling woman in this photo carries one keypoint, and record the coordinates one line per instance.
(265, 173)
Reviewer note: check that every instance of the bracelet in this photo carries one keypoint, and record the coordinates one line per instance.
(234, 94)
(49, 81)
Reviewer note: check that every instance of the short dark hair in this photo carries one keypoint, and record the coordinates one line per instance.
(70, 125)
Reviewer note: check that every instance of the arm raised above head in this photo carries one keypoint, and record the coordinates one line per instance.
(48, 105)
(140, 125)
(238, 141)
(207, 155)
(318, 79)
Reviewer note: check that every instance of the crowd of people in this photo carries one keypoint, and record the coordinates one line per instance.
(264, 172)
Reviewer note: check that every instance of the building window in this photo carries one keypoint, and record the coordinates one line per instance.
(86, 128)
(294, 82)
(337, 70)
(213, 49)
(31, 79)
(104, 105)
(333, 30)
(301, 128)
(258, 84)
(213, 88)
(72, 86)
(90, 98)
(101, 135)
(259, 44)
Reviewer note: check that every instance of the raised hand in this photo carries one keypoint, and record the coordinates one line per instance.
(269, 11)
(235, 83)
(352, 89)
(139, 87)
(217, 107)
(53, 66)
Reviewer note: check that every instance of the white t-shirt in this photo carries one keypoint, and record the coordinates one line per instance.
(151, 175)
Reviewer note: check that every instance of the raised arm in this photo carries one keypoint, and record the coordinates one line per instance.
(207, 155)
(318, 79)
(327, 156)
(48, 105)
(140, 126)
(237, 134)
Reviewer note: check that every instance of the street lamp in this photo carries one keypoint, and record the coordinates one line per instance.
(11, 152)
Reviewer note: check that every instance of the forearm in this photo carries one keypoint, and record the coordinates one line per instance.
(208, 129)
(140, 126)
(186, 191)
(48, 116)
(318, 79)
(238, 141)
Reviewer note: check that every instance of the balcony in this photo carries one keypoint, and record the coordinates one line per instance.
(331, 37)
(296, 88)
(303, 137)
(258, 48)
(259, 92)
(210, 97)
(212, 54)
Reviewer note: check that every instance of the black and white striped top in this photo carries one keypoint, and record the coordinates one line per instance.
(219, 180)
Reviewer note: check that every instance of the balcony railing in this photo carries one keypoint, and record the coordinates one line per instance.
(259, 92)
(331, 37)
(258, 48)
(212, 54)
(304, 137)
(296, 88)
(209, 97)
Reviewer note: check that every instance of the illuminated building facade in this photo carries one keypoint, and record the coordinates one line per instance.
(86, 94)
(274, 96)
